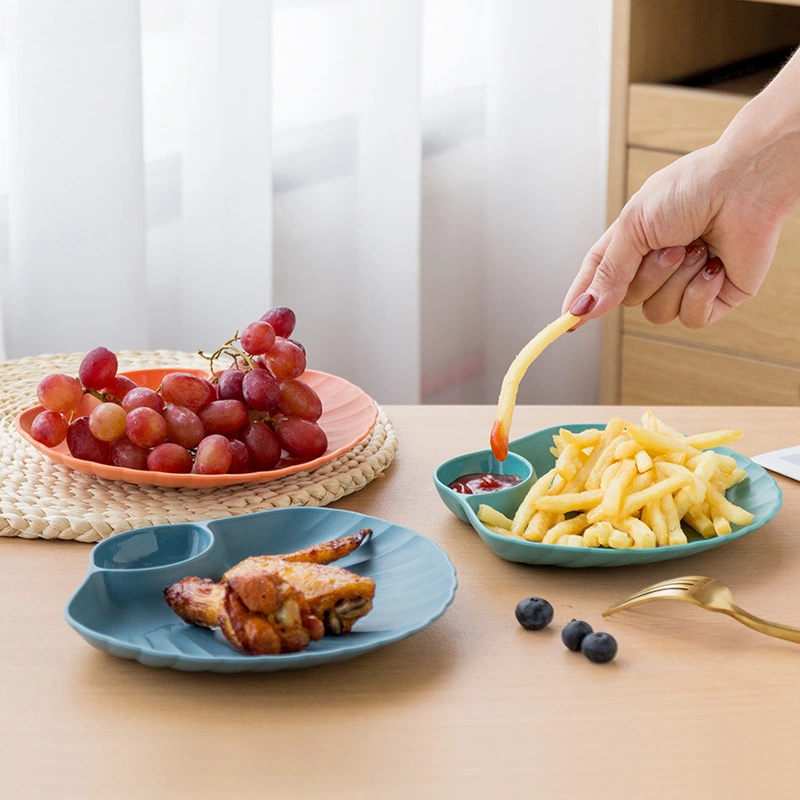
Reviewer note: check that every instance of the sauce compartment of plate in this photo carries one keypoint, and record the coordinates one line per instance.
(153, 547)
(482, 461)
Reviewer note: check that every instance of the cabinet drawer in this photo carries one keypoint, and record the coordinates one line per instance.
(764, 327)
(655, 373)
(678, 118)
(671, 39)
(643, 163)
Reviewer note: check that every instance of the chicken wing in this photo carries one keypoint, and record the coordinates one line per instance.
(327, 551)
(258, 612)
(336, 596)
(267, 605)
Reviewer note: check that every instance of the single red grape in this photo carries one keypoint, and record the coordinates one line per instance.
(140, 397)
(300, 400)
(118, 387)
(282, 320)
(223, 416)
(229, 384)
(60, 393)
(82, 444)
(185, 389)
(124, 453)
(262, 444)
(145, 426)
(286, 360)
(240, 456)
(169, 457)
(184, 427)
(260, 389)
(213, 456)
(107, 422)
(257, 338)
(98, 368)
(301, 438)
(49, 428)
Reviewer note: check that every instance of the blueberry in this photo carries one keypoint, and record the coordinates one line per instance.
(533, 613)
(599, 647)
(573, 634)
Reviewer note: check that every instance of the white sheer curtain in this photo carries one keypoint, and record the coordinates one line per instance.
(417, 178)
(76, 233)
(547, 121)
(226, 176)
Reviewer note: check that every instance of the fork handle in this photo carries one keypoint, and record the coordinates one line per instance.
(763, 626)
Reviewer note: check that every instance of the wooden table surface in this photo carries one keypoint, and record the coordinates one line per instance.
(695, 705)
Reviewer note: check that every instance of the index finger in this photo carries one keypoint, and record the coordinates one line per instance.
(609, 267)
(588, 267)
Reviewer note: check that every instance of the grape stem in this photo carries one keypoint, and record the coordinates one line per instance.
(103, 398)
(230, 349)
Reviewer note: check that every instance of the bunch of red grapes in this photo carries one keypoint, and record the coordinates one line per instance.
(239, 420)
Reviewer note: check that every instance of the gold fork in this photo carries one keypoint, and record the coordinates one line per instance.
(708, 593)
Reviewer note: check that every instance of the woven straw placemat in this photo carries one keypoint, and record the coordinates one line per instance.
(40, 499)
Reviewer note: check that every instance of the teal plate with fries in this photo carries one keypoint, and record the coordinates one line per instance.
(530, 456)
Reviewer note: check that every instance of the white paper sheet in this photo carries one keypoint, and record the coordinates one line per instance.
(785, 462)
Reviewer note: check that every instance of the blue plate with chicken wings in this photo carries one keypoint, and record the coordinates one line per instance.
(275, 590)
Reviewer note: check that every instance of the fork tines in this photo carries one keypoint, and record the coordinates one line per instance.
(679, 585)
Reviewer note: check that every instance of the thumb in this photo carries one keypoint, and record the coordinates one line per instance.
(613, 275)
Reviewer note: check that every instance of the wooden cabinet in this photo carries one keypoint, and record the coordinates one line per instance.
(672, 94)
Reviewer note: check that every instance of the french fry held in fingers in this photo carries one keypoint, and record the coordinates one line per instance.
(515, 374)
(629, 486)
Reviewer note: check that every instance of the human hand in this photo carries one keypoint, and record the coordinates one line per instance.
(693, 243)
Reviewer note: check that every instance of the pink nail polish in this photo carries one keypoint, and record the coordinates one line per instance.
(711, 270)
(583, 304)
(670, 256)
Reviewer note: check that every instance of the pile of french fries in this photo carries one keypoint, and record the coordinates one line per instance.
(628, 486)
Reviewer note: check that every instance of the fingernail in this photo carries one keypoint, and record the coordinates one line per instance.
(670, 256)
(711, 270)
(582, 304)
(694, 252)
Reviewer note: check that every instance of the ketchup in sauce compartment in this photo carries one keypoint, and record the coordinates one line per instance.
(482, 482)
